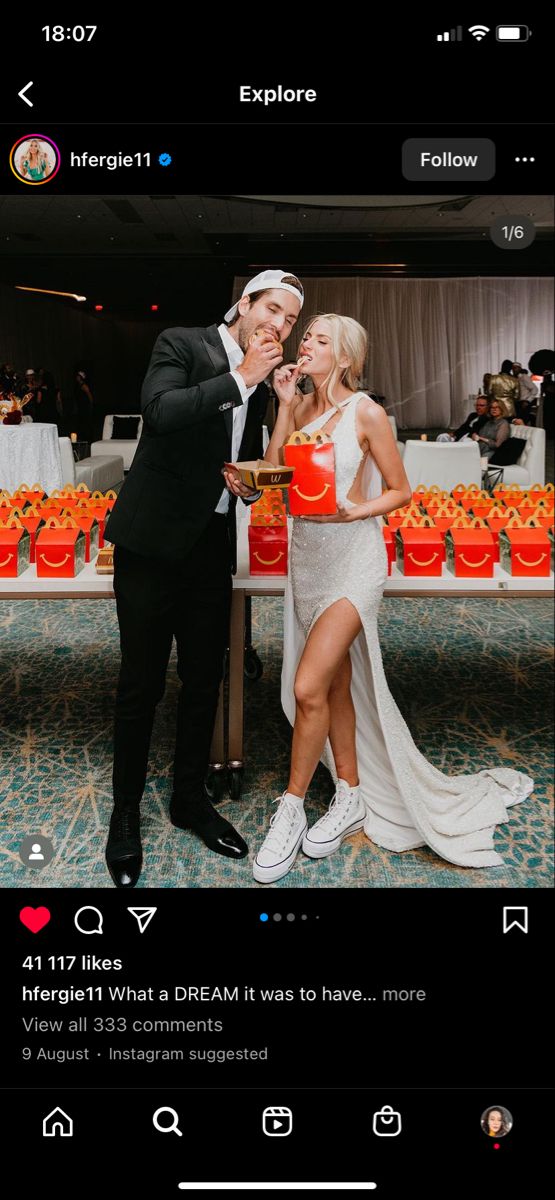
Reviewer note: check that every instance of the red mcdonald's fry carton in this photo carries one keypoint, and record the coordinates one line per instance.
(268, 549)
(470, 553)
(389, 539)
(14, 551)
(312, 491)
(526, 551)
(60, 551)
(420, 550)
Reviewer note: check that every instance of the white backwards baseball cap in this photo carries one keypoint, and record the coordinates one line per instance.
(264, 281)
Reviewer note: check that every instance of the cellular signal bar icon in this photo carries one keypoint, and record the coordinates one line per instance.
(452, 35)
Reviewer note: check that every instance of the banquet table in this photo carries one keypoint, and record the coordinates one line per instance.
(30, 453)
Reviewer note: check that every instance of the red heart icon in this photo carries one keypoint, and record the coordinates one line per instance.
(34, 918)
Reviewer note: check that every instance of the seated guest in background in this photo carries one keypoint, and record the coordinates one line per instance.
(472, 424)
(494, 432)
(506, 388)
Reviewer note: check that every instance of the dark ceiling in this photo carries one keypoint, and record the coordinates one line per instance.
(182, 252)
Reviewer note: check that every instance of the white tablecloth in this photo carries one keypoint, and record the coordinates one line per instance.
(444, 463)
(30, 454)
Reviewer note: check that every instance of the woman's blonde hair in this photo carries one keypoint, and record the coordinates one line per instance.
(348, 340)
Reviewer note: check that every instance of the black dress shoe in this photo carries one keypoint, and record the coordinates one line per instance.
(124, 852)
(200, 815)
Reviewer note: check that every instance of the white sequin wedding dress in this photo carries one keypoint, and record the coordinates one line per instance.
(408, 801)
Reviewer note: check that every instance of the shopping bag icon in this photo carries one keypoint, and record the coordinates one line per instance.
(386, 1122)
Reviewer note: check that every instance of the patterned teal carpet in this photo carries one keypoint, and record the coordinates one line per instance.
(472, 678)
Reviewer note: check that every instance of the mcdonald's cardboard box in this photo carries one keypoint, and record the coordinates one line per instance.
(89, 526)
(470, 553)
(268, 549)
(60, 552)
(15, 546)
(260, 474)
(31, 519)
(420, 550)
(312, 492)
(526, 551)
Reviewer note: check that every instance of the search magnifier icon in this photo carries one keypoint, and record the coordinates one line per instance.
(173, 1128)
(90, 924)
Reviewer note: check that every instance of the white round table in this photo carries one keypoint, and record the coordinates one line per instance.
(30, 453)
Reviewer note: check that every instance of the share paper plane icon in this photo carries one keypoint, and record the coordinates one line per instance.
(143, 916)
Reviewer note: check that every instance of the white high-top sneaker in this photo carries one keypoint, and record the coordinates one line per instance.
(346, 815)
(283, 841)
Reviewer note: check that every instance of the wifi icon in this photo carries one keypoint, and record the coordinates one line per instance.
(478, 31)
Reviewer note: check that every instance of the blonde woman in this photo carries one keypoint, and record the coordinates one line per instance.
(334, 690)
(35, 162)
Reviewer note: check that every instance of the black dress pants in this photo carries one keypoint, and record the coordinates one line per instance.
(158, 601)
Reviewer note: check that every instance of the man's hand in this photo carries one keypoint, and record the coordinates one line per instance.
(235, 485)
(263, 355)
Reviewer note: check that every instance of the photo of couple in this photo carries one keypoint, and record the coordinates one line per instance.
(203, 402)
(173, 717)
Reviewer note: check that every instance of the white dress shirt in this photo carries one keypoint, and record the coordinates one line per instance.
(235, 357)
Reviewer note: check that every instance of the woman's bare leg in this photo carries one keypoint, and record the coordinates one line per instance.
(343, 724)
(326, 648)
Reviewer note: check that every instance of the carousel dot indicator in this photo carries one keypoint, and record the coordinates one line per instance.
(290, 916)
(277, 916)
(263, 916)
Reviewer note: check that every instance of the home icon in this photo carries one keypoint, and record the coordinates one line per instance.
(57, 1124)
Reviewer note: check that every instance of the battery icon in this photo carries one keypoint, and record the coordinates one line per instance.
(512, 33)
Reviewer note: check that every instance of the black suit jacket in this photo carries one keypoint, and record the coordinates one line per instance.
(473, 424)
(175, 481)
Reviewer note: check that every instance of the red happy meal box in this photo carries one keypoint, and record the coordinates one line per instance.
(89, 527)
(268, 545)
(526, 551)
(30, 519)
(14, 551)
(98, 509)
(60, 551)
(420, 550)
(29, 495)
(312, 491)
(470, 553)
(389, 539)
(497, 519)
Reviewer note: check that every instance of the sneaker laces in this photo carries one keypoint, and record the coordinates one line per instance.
(282, 824)
(338, 808)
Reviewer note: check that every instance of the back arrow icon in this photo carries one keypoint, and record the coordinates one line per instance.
(22, 95)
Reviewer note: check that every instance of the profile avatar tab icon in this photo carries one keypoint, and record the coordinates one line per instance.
(35, 159)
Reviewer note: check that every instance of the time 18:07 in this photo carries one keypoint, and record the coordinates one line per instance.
(75, 33)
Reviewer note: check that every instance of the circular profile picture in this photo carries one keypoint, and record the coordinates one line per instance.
(497, 1121)
(35, 159)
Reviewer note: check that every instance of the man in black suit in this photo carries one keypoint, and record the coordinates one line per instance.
(472, 424)
(173, 527)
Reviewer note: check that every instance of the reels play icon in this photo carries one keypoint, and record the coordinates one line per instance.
(277, 1121)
